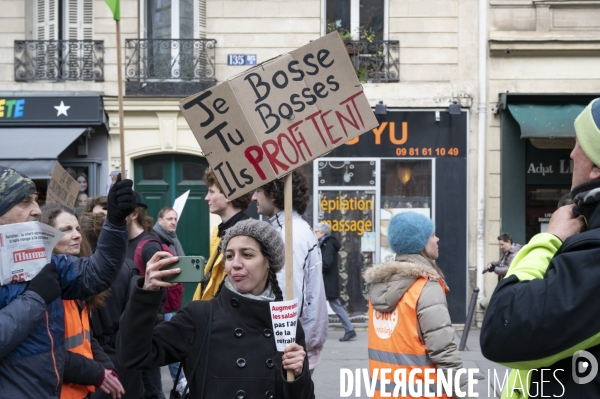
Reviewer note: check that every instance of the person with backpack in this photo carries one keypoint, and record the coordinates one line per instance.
(165, 231)
(142, 246)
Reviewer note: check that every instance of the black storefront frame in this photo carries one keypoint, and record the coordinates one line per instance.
(450, 183)
(513, 163)
(84, 110)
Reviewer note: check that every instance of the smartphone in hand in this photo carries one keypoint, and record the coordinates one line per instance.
(192, 270)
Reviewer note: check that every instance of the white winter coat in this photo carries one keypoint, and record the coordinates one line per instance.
(308, 282)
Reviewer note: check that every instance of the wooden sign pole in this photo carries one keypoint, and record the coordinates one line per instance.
(289, 248)
(120, 84)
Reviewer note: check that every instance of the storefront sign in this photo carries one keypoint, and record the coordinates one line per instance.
(272, 119)
(43, 111)
(12, 108)
(411, 134)
(548, 166)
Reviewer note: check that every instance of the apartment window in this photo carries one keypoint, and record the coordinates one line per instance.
(64, 20)
(356, 19)
(170, 19)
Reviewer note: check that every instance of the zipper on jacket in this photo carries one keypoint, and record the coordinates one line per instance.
(52, 352)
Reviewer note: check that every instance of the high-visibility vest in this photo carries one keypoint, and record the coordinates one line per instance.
(215, 267)
(77, 340)
(394, 344)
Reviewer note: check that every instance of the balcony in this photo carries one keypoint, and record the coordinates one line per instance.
(169, 67)
(376, 61)
(59, 60)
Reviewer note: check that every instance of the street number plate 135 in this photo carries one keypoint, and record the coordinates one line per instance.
(241, 59)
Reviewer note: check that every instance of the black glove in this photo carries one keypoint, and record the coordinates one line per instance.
(121, 201)
(45, 284)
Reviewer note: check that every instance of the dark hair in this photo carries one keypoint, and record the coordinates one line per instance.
(91, 226)
(162, 212)
(49, 214)
(505, 237)
(93, 201)
(242, 202)
(274, 190)
(51, 211)
(145, 221)
(565, 200)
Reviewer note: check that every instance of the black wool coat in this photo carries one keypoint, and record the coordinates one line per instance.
(331, 276)
(243, 359)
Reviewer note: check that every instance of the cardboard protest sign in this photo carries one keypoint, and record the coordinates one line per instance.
(63, 189)
(279, 115)
(284, 316)
(180, 203)
(25, 248)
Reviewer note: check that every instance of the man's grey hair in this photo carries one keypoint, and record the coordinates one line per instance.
(323, 228)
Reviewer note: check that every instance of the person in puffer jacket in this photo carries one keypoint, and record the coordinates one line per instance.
(32, 326)
(409, 323)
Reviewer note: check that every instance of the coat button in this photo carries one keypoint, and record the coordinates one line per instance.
(269, 363)
(269, 395)
(240, 394)
(268, 333)
(241, 362)
(239, 332)
(234, 302)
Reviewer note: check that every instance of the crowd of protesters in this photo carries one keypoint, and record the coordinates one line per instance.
(98, 321)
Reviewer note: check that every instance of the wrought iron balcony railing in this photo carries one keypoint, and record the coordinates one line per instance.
(377, 61)
(169, 66)
(59, 60)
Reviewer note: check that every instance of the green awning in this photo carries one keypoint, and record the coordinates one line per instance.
(546, 121)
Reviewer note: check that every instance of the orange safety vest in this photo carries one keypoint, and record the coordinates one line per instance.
(77, 340)
(394, 344)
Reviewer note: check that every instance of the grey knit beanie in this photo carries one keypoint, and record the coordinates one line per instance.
(265, 234)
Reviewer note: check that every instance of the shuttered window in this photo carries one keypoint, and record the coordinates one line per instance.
(78, 17)
(46, 19)
(200, 19)
(77, 22)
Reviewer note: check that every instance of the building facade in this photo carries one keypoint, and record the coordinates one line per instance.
(542, 73)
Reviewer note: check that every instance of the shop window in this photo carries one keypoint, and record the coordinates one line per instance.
(356, 19)
(351, 216)
(405, 185)
(153, 172)
(193, 171)
(346, 173)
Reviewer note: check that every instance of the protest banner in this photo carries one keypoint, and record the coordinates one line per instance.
(179, 203)
(63, 189)
(25, 248)
(284, 317)
(281, 114)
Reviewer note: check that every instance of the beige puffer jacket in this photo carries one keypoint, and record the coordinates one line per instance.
(390, 281)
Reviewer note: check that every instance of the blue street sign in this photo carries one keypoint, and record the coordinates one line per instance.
(241, 59)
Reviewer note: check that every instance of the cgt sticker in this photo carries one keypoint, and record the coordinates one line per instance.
(385, 323)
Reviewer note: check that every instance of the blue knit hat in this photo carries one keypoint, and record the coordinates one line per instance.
(587, 129)
(408, 233)
(14, 188)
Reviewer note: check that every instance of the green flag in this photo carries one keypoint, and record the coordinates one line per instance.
(115, 7)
